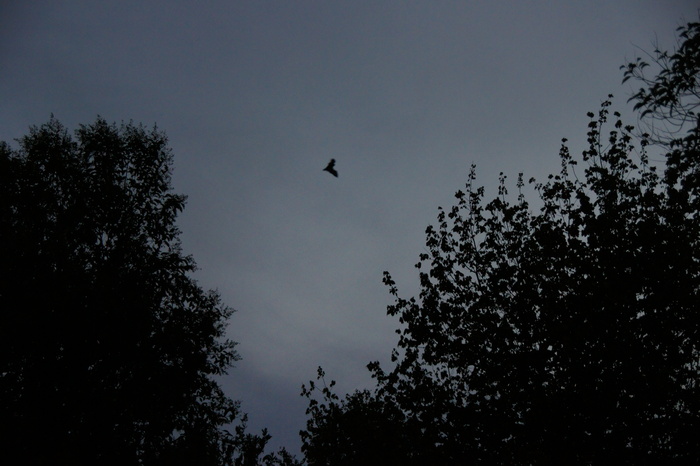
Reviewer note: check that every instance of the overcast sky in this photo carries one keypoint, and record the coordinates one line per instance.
(256, 97)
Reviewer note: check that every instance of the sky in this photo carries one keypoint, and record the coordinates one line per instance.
(257, 96)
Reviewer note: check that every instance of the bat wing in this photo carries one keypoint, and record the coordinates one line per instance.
(330, 168)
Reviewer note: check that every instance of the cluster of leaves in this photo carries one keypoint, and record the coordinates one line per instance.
(668, 102)
(361, 429)
(565, 335)
(108, 347)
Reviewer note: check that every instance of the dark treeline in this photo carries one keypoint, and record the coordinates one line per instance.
(109, 347)
(568, 335)
(563, 335)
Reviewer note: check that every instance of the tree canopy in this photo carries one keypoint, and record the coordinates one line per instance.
(566, 333)
(109, 347)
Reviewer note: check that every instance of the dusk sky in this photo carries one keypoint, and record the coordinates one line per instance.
(257, 96)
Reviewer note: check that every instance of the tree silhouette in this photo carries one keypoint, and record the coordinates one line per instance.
(361, 429)
(563, 335)
(108, 347)
(668, 101)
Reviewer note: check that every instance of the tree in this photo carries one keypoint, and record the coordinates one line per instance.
(109, 348)
(361, 429)
(563, 335)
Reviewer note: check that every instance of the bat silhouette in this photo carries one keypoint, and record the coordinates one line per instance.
(329, 168)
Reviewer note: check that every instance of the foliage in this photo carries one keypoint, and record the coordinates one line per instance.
(361, 429)
(563, 335)
(108, 347)
(669, 101)
(249, 449)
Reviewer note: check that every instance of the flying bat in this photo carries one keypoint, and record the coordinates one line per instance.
(329, 168)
